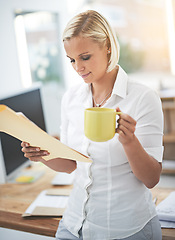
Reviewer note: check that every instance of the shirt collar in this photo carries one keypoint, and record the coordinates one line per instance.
(120, 85)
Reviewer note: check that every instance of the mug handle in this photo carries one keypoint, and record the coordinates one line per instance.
(118, 113)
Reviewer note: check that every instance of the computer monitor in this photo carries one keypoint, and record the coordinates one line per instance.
(12, 160)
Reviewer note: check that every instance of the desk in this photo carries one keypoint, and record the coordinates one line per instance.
(15, 198)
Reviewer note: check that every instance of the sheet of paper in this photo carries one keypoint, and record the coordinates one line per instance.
(59, 191)
(166, 208)
(46, 203)
(46, 211)
(166, 224)
(25, 130)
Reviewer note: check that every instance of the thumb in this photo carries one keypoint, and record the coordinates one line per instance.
(118, 109)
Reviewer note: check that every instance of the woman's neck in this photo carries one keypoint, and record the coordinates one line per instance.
(103, 88)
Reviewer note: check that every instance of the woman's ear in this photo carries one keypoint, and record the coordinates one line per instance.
(108, 45)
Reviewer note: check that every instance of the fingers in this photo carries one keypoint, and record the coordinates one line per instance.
(126, 127)
(118, 109)
(31, 149)
(127, 124)
(33, 153)
(25, 144)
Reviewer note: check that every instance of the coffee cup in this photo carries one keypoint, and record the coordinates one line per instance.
(100, 123)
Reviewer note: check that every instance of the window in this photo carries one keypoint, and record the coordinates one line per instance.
(37, 37)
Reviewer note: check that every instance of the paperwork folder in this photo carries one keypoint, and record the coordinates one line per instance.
(25, 130)
(43, 204)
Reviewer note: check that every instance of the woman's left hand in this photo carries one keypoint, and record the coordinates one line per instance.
(126, 128)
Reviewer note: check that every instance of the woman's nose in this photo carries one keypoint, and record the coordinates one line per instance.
(79, 67)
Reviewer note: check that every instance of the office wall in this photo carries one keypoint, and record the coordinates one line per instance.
(9, 66)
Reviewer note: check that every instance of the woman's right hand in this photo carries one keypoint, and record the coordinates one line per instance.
(33, 153)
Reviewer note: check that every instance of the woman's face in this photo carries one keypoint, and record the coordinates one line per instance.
(88, 58)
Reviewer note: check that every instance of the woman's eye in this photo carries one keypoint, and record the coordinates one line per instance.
(72, 60)
(86, 57)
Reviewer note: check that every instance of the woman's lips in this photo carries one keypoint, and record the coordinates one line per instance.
(85, 75)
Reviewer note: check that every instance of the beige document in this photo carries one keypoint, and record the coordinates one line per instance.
(59, 192)
(47, 211)
(47, 205)
(25, 130)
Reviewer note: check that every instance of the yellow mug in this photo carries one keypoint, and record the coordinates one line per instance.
(100, 123)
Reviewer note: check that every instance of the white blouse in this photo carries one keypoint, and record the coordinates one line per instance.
(107, 200)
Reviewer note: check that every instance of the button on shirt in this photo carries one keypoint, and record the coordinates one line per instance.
(108, 201)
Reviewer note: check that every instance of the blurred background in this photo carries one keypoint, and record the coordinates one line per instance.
(31, 51)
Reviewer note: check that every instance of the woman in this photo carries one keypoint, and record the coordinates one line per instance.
(111, 197)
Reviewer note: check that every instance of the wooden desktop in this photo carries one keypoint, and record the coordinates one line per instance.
(15, 199)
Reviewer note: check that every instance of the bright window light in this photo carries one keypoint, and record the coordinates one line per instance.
(22, 52)
(171, 33)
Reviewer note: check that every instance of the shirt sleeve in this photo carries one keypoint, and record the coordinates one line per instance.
(64, 119)
(149, 128)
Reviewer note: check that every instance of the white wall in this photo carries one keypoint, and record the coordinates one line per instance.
(9, 70)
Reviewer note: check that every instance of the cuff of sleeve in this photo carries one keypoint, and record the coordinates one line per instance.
(156, 152)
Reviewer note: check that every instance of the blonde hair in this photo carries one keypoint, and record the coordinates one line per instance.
(93, 25)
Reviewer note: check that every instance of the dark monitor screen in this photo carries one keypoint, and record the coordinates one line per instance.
(30, 104)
